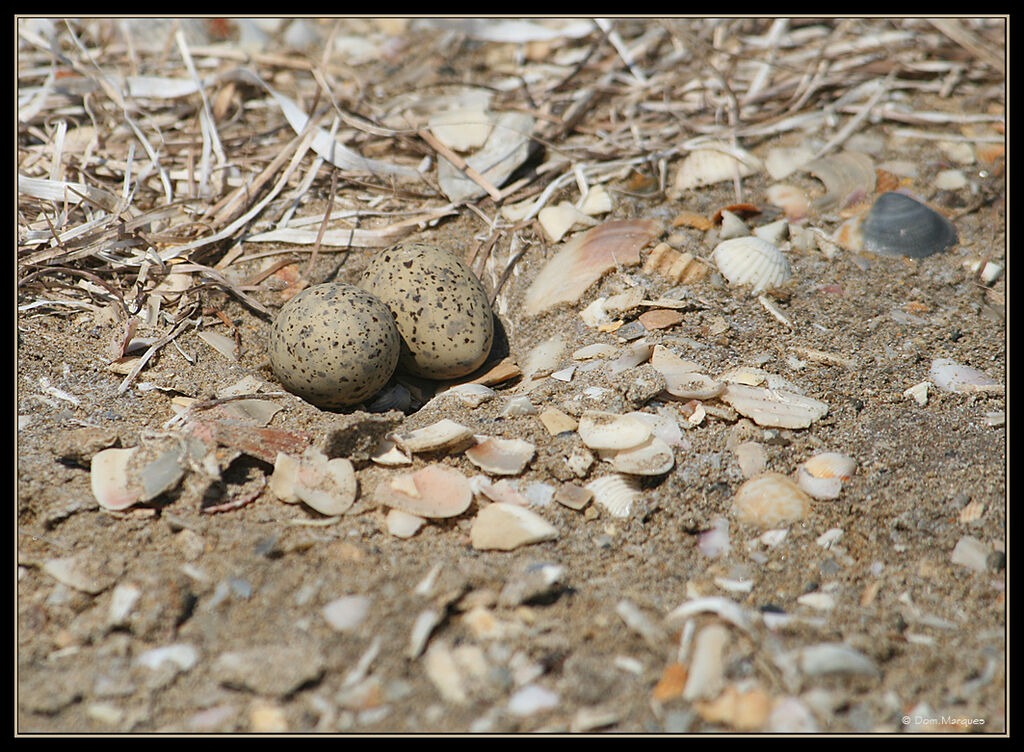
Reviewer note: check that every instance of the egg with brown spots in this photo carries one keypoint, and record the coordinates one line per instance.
(440, 308)
(334, 345)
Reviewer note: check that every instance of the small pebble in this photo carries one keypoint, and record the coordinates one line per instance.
(532, 699)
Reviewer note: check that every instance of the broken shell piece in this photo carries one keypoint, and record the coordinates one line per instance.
(597, 350)
(950, 376)
(558, 220)
(444, 434)
(752, 459)
(518, 406)
(918, 392)
(597, 201)
(556, 421)
(831, 465)
(653, 457)
(637, 353)
(328, 486)
(473, 395)
(601, 430)
(791, 199)
(676, 267)
(109, 478)
(752, 261)
(714, 162)
(389, 455)
(504, 527)
(573, 496)
(823, 489)
(849, 177)
(617, 493)
(775, 408)
(660, 318)
(501, 456)
(732, 226)
(692, 386)
(462, 128)
(774, 232)
(782, 161)
(402, 524)
(770, 500)
(624, 302)
(435, 492)
(585, 258)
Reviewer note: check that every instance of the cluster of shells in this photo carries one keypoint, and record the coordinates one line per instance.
(613, 453)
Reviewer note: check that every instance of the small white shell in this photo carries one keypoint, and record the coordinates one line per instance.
(752, 261)
(473, 395)
(831, 465)
(653, 457)
(499, 456)
(690, 386)
(823, 489)
(770, 500)
(616, 493)
(597, 350)
(601, 430)
(637, 353)
(752, 459)
(444, 434)
(773, 407)
(109, 478)
(951, 376)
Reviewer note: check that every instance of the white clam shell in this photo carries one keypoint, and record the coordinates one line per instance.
(770, 500)
(596, 350)
(618, 494)
(601, 430)
(402, 524)
(473, 395)
(774, 408)
(499, 456)
(831, 465)
(653, 457)
(444, 434)
(752, 261)
(950, 376)
(823, 489)
(637, 353)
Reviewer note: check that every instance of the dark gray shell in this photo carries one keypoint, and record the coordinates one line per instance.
(334, 345)
(440, 308)
(898, 225)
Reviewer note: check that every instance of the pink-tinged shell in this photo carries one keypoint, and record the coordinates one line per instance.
(770, 500)
(327, 485)
(109, 479)
(501, 456)
(831, 465)
(434, 491)
(950, 376)
(791, 199)
(445, 434)
(585, 258)
(504, 527)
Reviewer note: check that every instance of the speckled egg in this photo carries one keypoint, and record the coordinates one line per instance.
(334, 345)
(440, 308)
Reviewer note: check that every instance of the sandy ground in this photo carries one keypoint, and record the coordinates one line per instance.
(243, 590)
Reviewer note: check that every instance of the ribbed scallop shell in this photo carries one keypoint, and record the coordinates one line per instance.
(898, 225)
(616, 493)
(752, 261)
